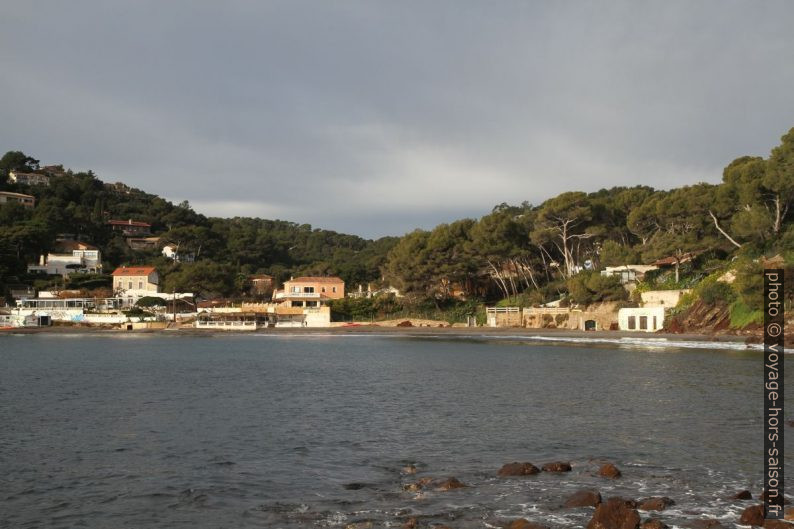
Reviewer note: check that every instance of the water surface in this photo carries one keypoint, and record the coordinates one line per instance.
(313, 431)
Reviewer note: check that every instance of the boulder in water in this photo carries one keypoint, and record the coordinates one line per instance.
(659, 503)
(608, 470)
(523, 523)
(518, 469)
(557, 466)
(584, 498)
(615, 513)
(753, 515)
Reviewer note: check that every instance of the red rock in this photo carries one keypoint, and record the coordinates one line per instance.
(655, 504)
(518, 469)
(449, 484)
(584, 498)
(789, 514)
(557, 466)
(709, 523)
(742, 495)
(523, 523)
(410, 523)
(777, 524)
(608, 470)
(615, 513)
(753, 515)
(653, 523)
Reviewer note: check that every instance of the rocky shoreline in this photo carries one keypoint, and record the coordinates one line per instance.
(614, 512)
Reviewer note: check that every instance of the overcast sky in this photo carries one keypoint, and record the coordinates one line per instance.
(376, 118)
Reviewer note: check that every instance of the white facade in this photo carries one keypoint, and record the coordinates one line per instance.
(29, 179)
(87, 261)
(645, 319)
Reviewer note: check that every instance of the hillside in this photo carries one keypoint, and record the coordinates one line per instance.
(525, 255)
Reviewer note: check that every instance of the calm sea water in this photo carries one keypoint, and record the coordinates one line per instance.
(313, 431)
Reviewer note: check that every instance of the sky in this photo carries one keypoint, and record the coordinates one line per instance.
(376, 117)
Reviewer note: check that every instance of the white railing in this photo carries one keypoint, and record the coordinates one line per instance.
(226, 325)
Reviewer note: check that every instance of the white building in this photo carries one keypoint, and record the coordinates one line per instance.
(77, 257)
(644, 319)
(28, 179)
(7, 197)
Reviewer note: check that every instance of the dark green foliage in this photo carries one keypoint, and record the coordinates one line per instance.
(151, 301)
(714, 292)
(591, 287)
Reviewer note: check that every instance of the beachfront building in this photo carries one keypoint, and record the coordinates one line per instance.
(310, 291)
(644, 319)
(628, 273)
(135, 282)
(28, 201)
(28, 179)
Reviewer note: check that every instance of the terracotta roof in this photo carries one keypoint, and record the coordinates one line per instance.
(315, 279)
(129, 223)
(133, 270)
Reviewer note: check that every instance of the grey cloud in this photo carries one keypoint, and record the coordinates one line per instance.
(376, 118)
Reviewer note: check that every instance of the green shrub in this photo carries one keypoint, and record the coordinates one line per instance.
(717, 292)
(742, 315)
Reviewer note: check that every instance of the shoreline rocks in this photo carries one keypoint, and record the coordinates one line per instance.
(583, 498)
(608, 470)
(518, 469)
(615, 513)
(557, 466)
(658, 503)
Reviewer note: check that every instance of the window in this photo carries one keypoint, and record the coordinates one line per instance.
(643, 323)
(129, 285)
(322, 289)
(654, 324)
(295, 289)
(632, 323)
(334, 289)
(140, 285)
(308, 290)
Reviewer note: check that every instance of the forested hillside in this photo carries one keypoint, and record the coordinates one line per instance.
(529, 253)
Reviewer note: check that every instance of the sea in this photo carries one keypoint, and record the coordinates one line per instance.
(298, 431)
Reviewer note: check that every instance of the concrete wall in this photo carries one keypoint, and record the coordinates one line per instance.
(663, 298)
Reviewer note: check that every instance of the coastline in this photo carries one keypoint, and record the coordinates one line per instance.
(462, 332)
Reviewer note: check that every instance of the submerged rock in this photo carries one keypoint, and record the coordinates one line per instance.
(777, 524)
(449, 484)
(608, 470)
(410, 523)
(518, 469)
(742, 495)
(523, 523)
(417, 485)
(655, 504)
(584, 498)
(557, 466)
(753, 515)
(615, 513)
(359, 525)
(408, 469)
(653, 523)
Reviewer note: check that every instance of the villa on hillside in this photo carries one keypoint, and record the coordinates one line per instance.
(131, 228)
(73, 256)
(28, 201)
(28, 179)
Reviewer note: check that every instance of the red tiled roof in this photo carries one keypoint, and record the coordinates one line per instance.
(315, 279)
(133, 270)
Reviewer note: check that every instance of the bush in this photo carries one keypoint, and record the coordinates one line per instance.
(151, 301)
(717, 292)
(742, 315)
(591, 287)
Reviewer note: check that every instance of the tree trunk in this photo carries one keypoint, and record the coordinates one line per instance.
(717, 224)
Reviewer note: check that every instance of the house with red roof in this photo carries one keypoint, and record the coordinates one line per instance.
(134, 282)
